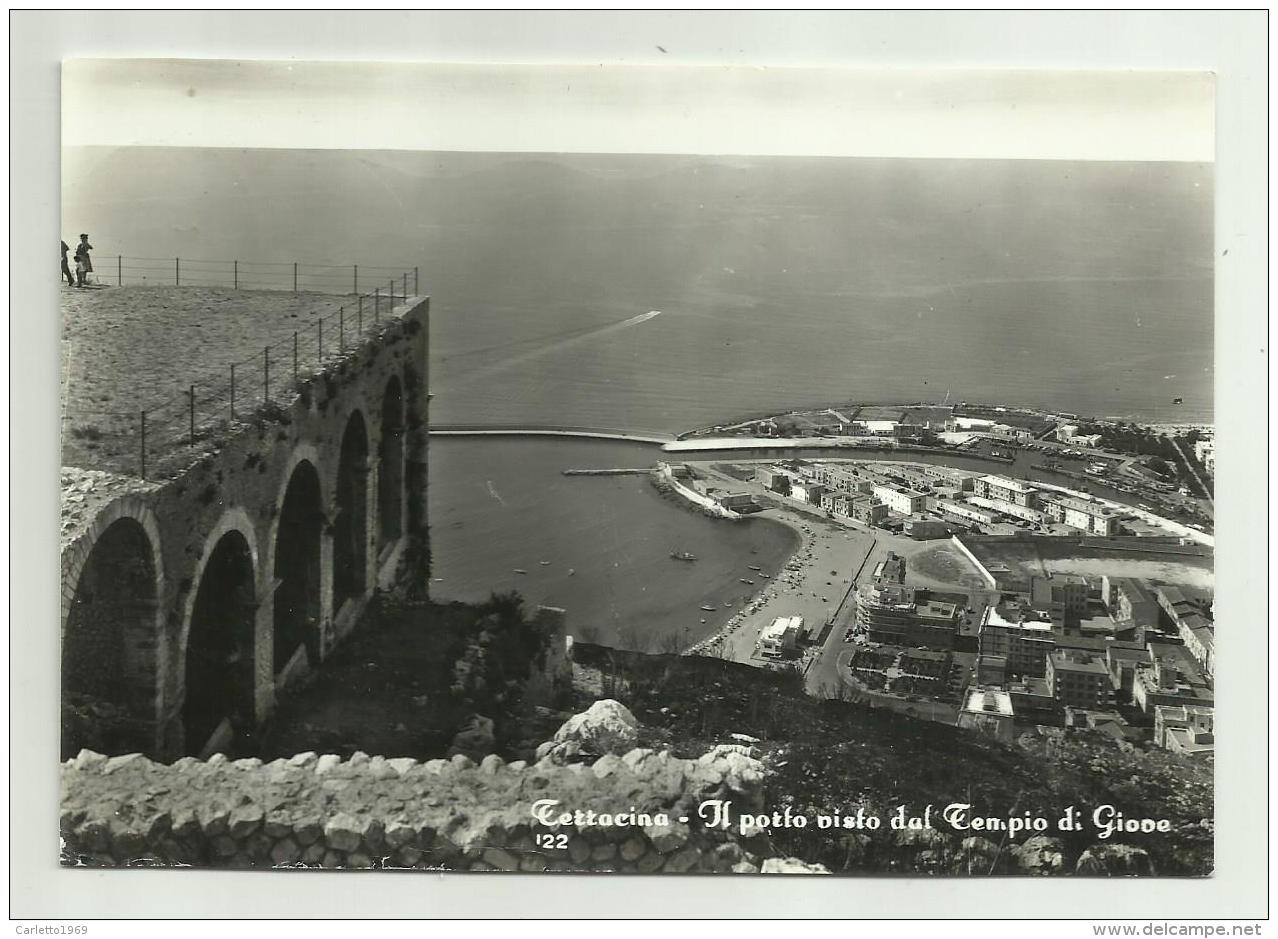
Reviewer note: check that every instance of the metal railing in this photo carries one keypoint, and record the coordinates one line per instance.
(249, 275)
(152, 442)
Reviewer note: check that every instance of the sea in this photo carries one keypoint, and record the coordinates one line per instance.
(663, 293)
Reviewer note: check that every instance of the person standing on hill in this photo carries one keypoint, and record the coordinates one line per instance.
(83, 264)
(66, 268)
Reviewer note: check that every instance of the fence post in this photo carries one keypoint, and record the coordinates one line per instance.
(232, 391)
(192, 394)
(355, 267)
(237, 274)
(294, 277)
(119, 270)
(341, 329)
(142, 455)
(266, 375)
(177, 272)
(416, 286)
(377, 303)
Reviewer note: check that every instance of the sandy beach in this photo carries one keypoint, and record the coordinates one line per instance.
(812, 584)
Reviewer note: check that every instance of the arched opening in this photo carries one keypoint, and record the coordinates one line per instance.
(107, 690)
(219, 647)
(297, 568)
(350, 531)
(390, 482)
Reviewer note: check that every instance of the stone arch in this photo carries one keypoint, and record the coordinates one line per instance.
(110, 633)
(220, 635)
(298, 599)
(350, 527)
(390, 463)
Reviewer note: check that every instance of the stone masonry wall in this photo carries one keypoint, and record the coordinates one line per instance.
(238, 484)
(320, 811)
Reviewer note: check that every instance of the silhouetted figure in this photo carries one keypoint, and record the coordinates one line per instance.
(83, 264)
(66, 268)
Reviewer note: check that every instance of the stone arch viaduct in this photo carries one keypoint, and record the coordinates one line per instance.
(189, 605)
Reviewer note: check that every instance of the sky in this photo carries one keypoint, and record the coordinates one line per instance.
(944, 113)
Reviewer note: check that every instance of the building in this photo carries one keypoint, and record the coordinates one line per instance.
(1032, 700)
(966, 510)
(1062, 596)
(1078, 679)
(1002, 489)
(1085, 514)
(901, 501)
(894, 614)
(781, 637)
(1171, 677)
(1068, 433)
(991, 670)
(737, 501)
(1131, 601)
(1185, 729)
(868, 511)
(989, 711)
(1123, 660)
(1205, 450)
(775, 479)
(927, 528)
(1011, 509)
(841, 478)
(891, 569)
(1015, 635)
(806, 491)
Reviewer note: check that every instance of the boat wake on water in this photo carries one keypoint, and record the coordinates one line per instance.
(588, 336)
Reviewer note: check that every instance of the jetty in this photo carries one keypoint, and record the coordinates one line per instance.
(620, 471)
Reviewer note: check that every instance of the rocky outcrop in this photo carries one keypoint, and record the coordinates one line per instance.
(1040, 855)
(1115, 860)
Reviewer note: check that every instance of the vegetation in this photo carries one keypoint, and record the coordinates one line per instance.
(828, 755)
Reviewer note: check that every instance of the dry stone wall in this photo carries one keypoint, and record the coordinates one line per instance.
(369, 811)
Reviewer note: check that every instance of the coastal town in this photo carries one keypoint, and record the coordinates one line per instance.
(995, 603)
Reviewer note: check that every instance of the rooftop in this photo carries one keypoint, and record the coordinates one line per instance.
(1076, 660)
(1013, 484)
(989, 701)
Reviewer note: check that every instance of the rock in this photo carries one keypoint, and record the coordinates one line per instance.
(402, 764)
(314, 854)
(667, 838)
(303, 760)
(649, 863)
(244, 821)
(578, 850)
(543, 750)
(603, 852)
(344, 832)
(606, 727)
(684, 860)
(978, 856)
(399, 834)
(790, 865)
(1115, 860)
(744, 738)
(500, 859)
(119, 762)
(475, 739)
(285, 852)
(1040, 855)
(744, 867)
(491, 764)
(632, 849)
(327, 763)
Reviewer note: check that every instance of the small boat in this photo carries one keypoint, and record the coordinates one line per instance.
(744, 581)
(683, 556)
(755, 567)
(708, 609)
(520, 570)
(544, 563)
(571, 571)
